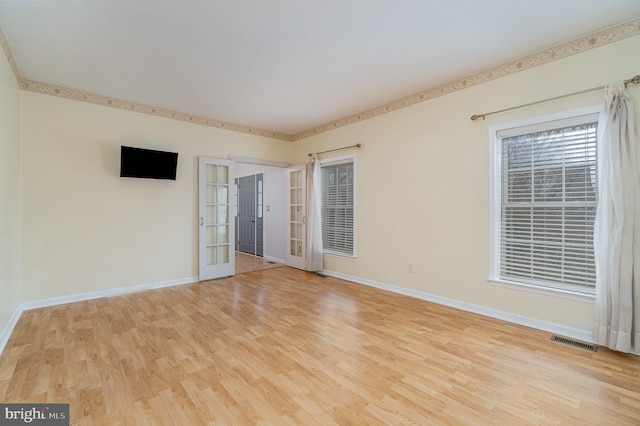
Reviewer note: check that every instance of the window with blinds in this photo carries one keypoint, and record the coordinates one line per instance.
(338, 208)
(548, 204)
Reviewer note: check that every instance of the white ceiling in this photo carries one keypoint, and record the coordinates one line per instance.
(284, 65)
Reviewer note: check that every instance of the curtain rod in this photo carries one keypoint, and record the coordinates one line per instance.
(358, 145)
(474, 117)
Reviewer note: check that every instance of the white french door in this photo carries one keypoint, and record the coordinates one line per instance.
(216, 220)
(296, 217)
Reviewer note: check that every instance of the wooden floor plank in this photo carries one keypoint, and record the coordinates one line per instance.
(283, 346)
(248, 263)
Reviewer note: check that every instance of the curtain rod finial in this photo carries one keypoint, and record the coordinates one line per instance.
(634, 80)
(474, 117)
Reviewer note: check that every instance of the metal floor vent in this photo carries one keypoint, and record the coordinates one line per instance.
(587, 346)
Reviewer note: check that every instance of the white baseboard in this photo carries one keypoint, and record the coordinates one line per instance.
(562, 330)
(8, 329)
(42, 303)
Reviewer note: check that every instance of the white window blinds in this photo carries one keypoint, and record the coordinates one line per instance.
(548, 206)
(338, 208)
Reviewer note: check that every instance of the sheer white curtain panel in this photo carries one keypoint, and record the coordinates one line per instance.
(617, 226)
(315, 259)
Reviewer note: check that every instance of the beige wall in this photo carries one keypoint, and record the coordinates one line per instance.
(423, 183)
(9, 193)
(86, 229)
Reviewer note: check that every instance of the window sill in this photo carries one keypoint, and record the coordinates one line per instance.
(340, 255)
(564, 294)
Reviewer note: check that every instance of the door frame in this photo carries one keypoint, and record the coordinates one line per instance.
(257, 188)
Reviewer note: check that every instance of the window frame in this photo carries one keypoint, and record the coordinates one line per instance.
(495, 202)
(334, 161)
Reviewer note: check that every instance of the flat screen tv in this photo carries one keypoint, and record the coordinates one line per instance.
(147, 163)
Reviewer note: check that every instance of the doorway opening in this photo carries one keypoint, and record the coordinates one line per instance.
(250, 214)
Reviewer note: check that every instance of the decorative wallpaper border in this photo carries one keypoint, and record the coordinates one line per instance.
(601, 38)
(9, 55)
(77, 95)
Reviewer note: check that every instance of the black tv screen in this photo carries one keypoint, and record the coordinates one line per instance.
(147, 163)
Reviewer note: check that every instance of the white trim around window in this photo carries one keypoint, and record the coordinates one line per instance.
(524, 127)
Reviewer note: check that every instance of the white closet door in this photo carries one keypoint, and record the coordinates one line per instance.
(296, 217)
(217, 225)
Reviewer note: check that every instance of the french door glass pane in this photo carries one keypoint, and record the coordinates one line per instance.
(211, 214)
(212, 236)
(217, 217)
(211, 173)
(223, 234)
(223, 175)
(296, 204)
(211, 194)
(223, 214)
(212, 258)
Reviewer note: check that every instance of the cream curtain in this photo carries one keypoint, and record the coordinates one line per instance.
(315, 260)
(617, 226)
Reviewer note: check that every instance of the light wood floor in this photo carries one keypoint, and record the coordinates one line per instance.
(283, 346)
(249, 263)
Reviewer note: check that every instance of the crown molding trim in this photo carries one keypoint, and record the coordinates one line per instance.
(588, 42)
(592, 41)
(7, 52)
